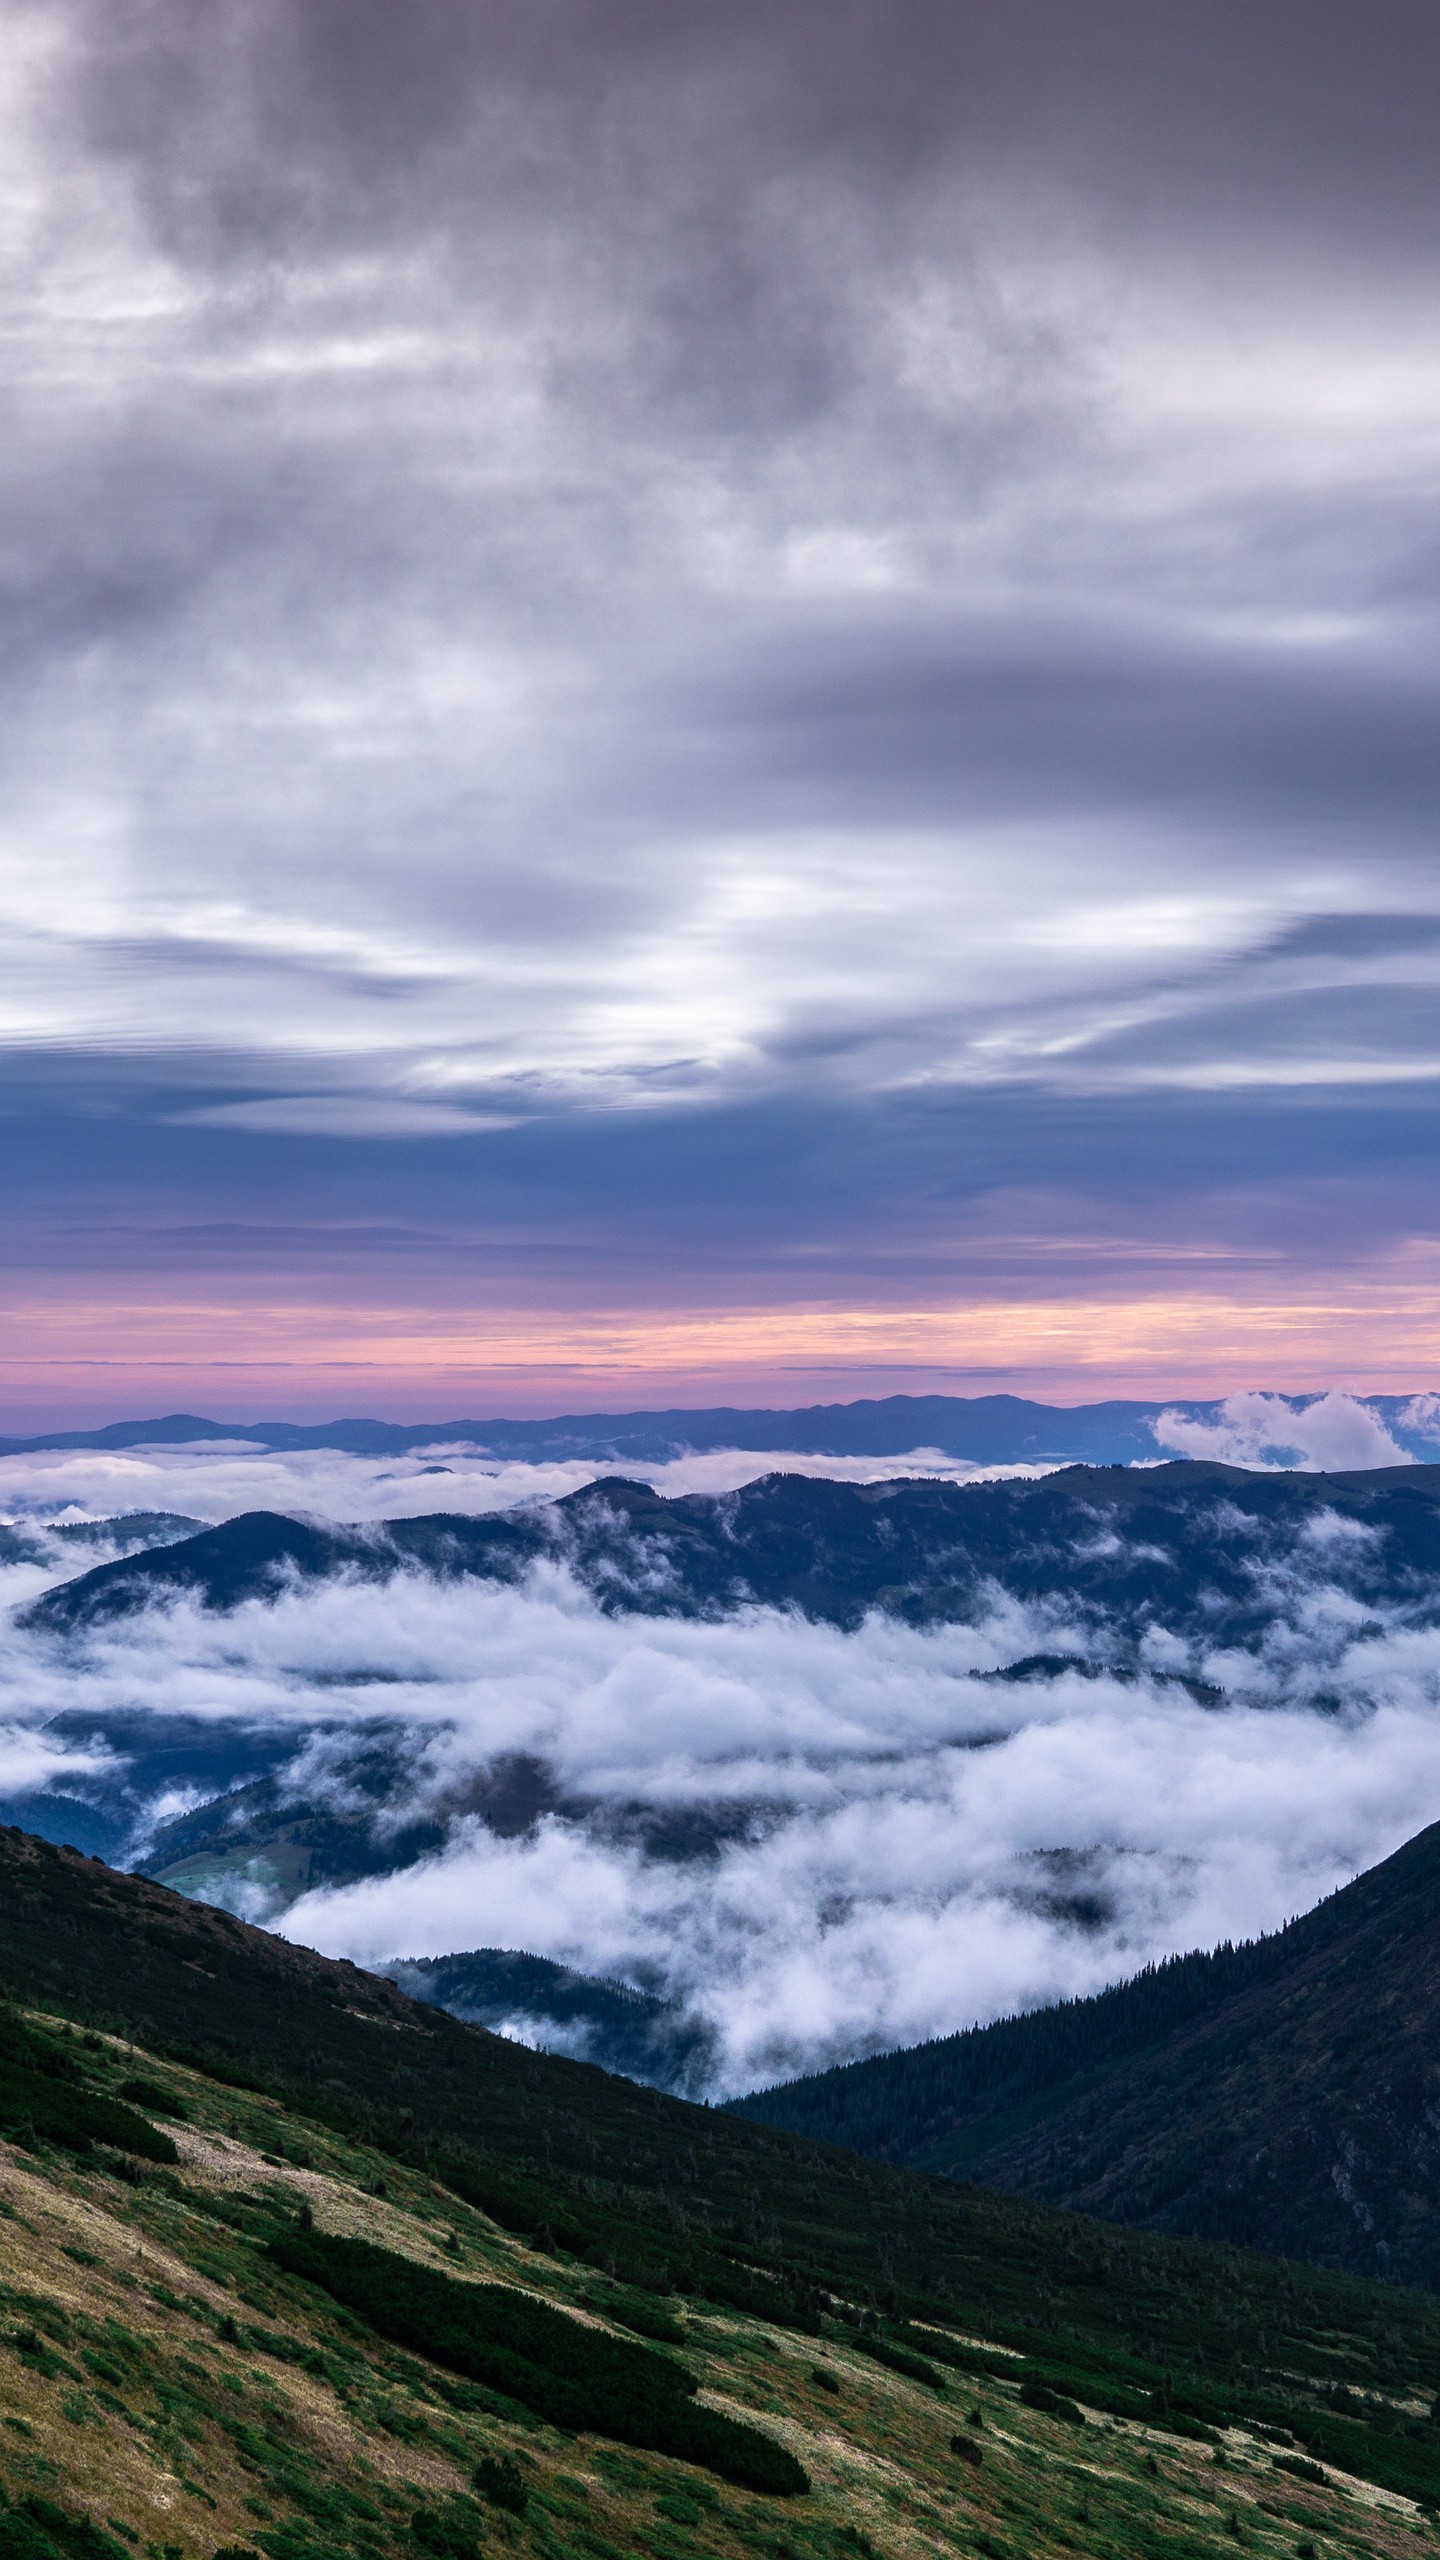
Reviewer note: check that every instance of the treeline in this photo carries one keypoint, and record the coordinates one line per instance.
(896, 2105)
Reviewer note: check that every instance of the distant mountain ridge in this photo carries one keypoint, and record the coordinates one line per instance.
(994, 1430)
(1284, 2095)
(636, 2033)
(1190, 1547)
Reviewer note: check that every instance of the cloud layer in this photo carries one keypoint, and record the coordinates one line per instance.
(215, 1482)
(1334, 1432)
(818, 1843)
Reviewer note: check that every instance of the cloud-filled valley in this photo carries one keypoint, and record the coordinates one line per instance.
(1096, 1718)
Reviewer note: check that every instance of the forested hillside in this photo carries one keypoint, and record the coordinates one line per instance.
(235, 2332)
(1282, 2094)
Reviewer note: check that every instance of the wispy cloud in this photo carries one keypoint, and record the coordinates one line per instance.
(214, 1482)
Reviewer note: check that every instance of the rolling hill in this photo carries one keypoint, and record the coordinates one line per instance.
(987, 1430)
(1284, 2094)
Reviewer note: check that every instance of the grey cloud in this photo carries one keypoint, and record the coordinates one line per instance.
(1289, 102)
(645, 558)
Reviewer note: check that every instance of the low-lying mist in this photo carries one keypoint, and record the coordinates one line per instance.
(215, 1480)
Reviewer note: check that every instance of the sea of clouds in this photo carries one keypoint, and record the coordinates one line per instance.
(213, 1480)
(900, 1846)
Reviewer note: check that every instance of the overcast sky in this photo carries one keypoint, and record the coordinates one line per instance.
(717, 701)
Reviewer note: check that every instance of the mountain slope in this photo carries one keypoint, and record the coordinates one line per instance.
(198, 2358)
(1210, 1553)
(172, 2387)
(1285, 2094)
(599, 2173)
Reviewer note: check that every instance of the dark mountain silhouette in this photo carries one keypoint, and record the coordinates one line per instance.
(261, 1553)
(989, 1429)
(635, 2032)
(1205, 1551)
(1284, 2094)
(42, 1542)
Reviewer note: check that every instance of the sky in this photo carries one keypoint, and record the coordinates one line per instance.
(716, 704)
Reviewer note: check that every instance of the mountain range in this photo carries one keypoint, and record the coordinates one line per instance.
(1188, 1574)
(1208, 1585)
(994, 1430)
(1200, 1548)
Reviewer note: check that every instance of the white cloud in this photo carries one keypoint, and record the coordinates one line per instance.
(1257, 1429)
(345, 1115)
(215, 1480)
(903, 1884)
(31, 1759)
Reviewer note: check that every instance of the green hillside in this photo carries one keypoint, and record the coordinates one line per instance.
(345, 2316)
(1282, 2095)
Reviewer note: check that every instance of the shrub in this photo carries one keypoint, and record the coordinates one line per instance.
(1300, 2469)
(645, 2319)
(37, 2529)
(20, 2539)
(900, 2360)
(1038, 2395)
(499, 2480)
(968, 2450)
(35, 2103)
(148, 2093)
(572, 2376)
(451, 2537)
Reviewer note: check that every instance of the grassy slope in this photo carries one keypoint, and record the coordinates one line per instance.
(362, 2086)
(187, 2396)
(1281, 2095)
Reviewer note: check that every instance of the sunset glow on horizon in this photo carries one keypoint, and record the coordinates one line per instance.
(111, 1361)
